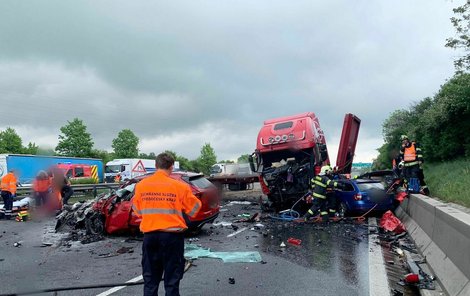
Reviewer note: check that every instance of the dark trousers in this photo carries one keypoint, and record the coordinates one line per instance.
(66, 192)
(41, 198)
(7, 203)
(319, 206)
(162, 252)
(332, 203)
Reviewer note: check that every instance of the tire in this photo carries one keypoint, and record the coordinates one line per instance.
(95, 225)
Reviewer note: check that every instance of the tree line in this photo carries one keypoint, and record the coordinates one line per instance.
(76, 141)
(441, 124)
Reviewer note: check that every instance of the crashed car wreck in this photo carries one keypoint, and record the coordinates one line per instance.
(112, 212)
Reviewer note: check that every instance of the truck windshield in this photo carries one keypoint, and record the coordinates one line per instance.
(215, 169)
(113, 169)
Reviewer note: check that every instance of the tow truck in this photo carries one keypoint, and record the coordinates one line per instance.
(291, 150)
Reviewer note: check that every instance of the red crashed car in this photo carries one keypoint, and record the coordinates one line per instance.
(113, 212)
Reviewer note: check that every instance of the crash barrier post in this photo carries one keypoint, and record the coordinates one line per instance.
(442, 234)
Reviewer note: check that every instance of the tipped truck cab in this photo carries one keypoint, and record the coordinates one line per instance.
(291, 150)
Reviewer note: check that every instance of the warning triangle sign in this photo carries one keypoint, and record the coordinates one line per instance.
(139, 167)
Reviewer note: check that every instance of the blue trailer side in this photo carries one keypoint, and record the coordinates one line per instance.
(27, 166)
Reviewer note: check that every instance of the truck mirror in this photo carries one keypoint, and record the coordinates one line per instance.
(254, 164)
(123, 168)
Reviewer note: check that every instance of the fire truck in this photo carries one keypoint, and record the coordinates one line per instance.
(291, 150)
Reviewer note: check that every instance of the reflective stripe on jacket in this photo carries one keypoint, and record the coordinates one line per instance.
(320, 185)
(8, 183)
(161, 202)
(411, 155)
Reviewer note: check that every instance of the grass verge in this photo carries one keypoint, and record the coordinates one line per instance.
(449, 181)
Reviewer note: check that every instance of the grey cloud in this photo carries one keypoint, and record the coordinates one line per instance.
(173, 67)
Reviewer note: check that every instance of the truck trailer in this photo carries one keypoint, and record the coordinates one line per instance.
(237, 176)
(27, 166)
(291, 150)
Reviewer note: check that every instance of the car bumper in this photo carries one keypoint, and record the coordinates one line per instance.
(365, 206)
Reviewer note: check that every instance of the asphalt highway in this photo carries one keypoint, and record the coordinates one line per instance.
(331, 259)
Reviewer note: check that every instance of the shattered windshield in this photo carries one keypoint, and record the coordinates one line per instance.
(123, 191)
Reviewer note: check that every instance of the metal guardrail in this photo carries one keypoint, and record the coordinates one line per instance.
(26, 190)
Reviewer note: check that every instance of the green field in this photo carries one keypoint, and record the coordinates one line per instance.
(449, 181)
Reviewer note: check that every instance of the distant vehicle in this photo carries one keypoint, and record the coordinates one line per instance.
(79, 171)
(291, 150)
(236, 175)
(27, 166)
(113, 213)
(224, 169)
(128, 168)
(361, 195)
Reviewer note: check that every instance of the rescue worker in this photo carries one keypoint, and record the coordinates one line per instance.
(412, 158)
(323, 202)
(117, 179)
(8, 192)
(41, 187)
(163, 203)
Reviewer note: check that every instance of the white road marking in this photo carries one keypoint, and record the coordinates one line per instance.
(115, 289)
(237, 232)
(378, 282)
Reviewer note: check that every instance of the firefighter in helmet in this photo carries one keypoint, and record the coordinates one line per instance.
(412, 157)
(323, 201)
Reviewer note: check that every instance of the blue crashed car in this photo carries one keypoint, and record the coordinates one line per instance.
(361, 195)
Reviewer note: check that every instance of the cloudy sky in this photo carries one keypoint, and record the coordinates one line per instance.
(182, 73)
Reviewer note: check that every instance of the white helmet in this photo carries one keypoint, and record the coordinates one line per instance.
(325, 170)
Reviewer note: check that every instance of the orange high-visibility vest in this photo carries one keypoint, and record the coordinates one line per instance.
(410, 153)
(41, 185)
(161, 202)
(8, 183)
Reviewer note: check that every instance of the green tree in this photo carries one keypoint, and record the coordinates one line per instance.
(32, 148)
(104, 155)
(206, 160)
(461, 40)
(74, 140)
(244, 158)
(126, 144)
(226, 161)
(185, 164)
(10, 141)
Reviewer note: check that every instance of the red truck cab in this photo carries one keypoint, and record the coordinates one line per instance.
(291, 150)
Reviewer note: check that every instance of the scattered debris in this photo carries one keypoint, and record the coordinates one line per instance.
(282, 245)
(231, 281)
(124, 250)
(192, 251)
(17, 244)
(236, 202)
(390, 222)
(294, 241)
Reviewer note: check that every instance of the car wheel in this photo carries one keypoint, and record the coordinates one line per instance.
(94, 225)
(343, 209)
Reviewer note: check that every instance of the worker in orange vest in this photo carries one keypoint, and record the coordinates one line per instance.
(41, 187)
(412, 157)
(8, 188)
(162, 202)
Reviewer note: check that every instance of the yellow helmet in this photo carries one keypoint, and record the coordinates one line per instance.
(325, 169)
